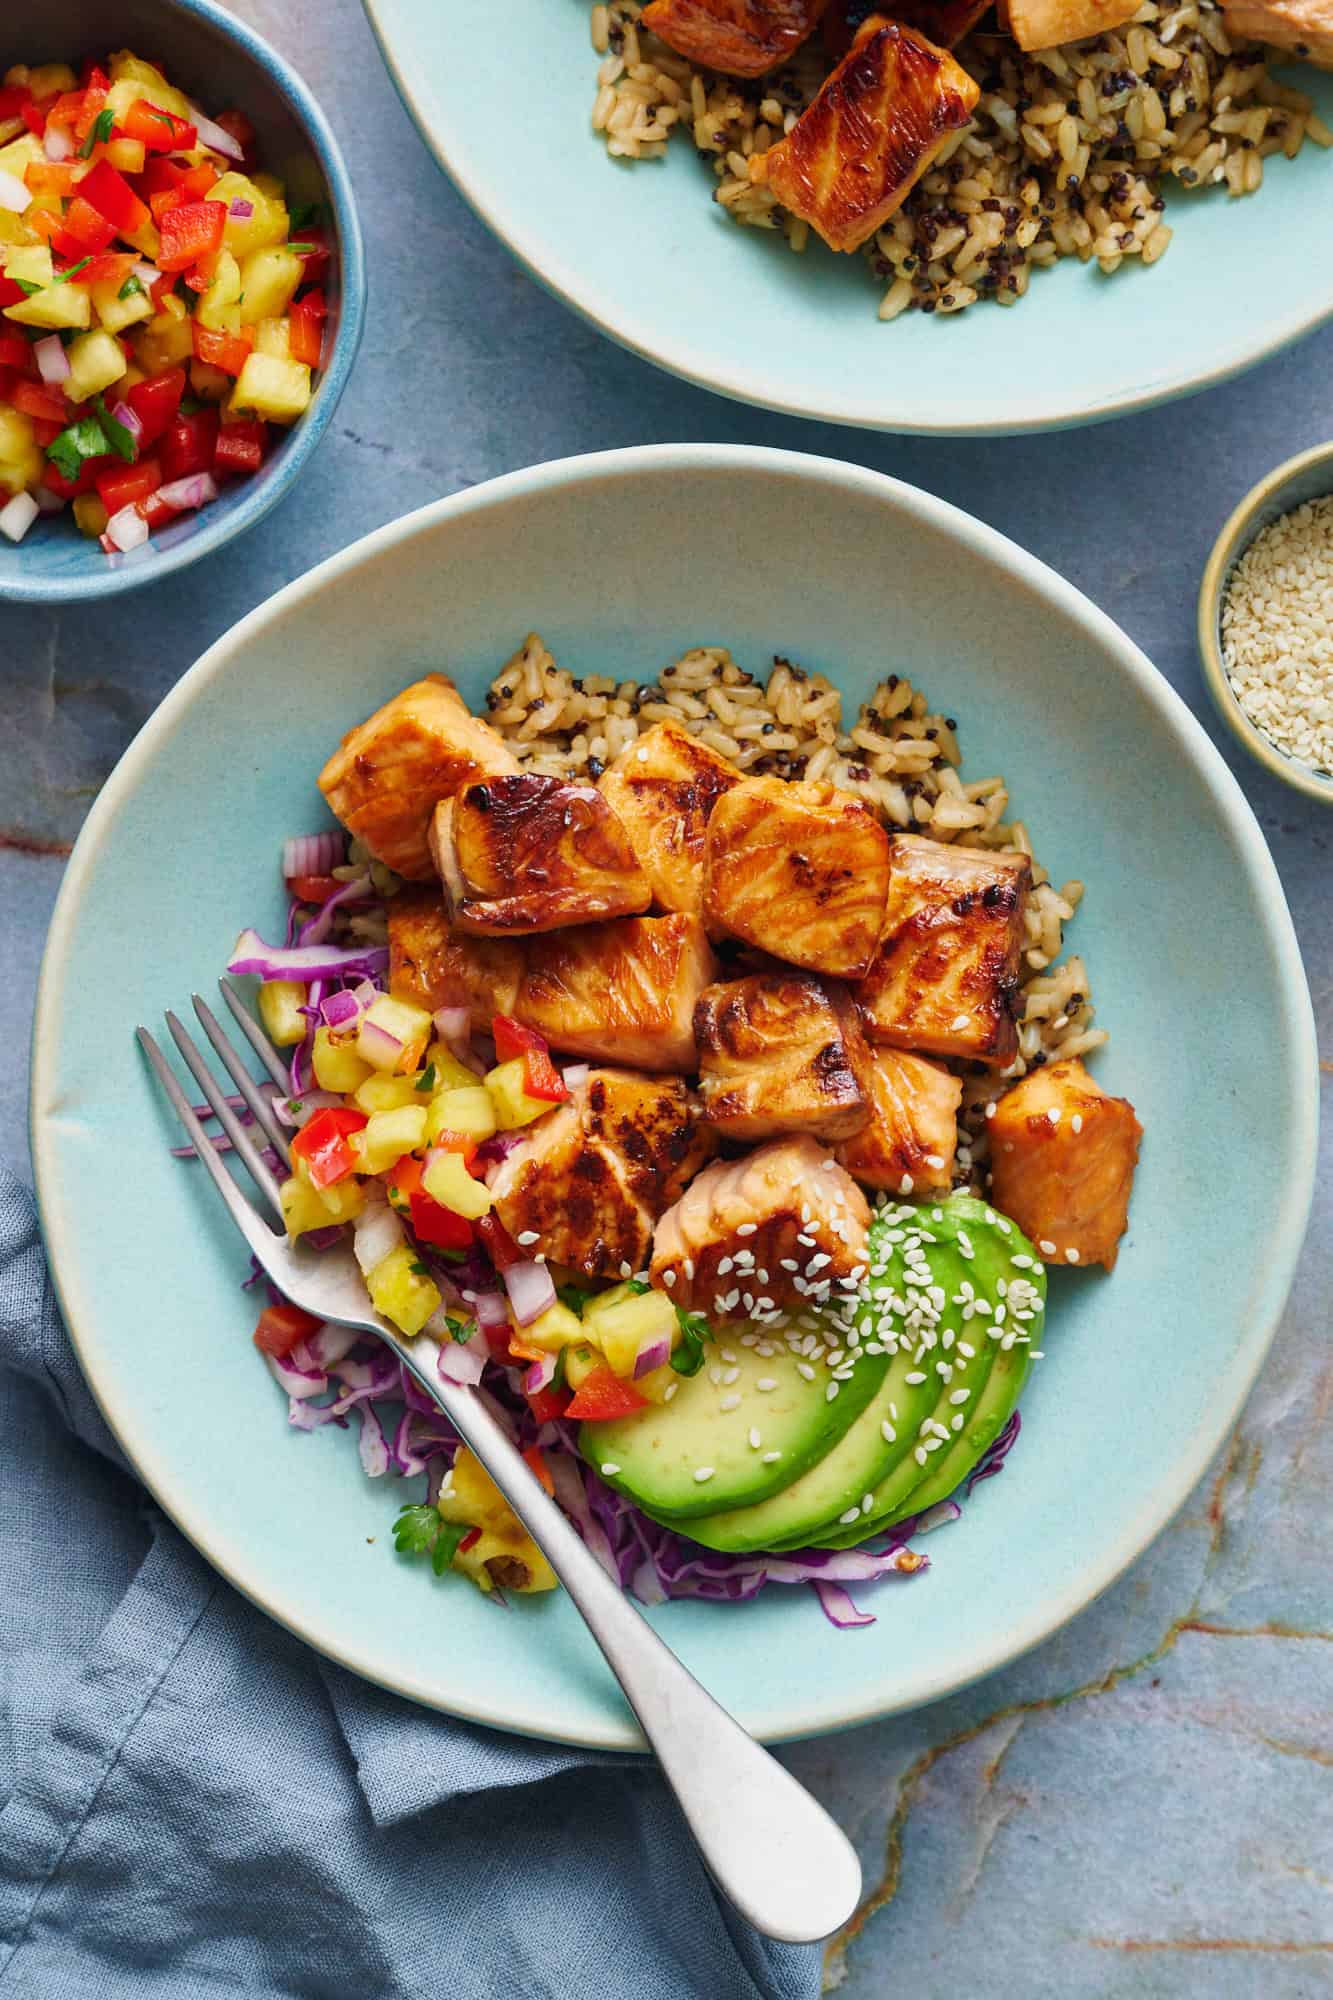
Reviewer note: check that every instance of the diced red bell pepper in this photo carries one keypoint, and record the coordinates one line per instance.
(159, 131)
(64, 109)
(190, 231)
(535, 1459)
(87, 225)
(45, 431)
(160, 175)
(190, 444)
(602, 1397)
(122, 485)
(15, 352)
(36, 400)
(322, 1143)
(470, 1540)
(8, 377)
(95, 91)
(513, 1039)
(112, 196)
(306, 888)
(70, 489)
(34, 113)
(157, 511)
(10, 293)
(106, 266)
(283, 1327)
(315, 257)
(457, 1142)
(499, 1245)
(51, 177)
(436, 1225)
(241, 130)
(52, 231)
(304, 334)
(13, 97)
(155, 403)
(227, 351)
(542, 1079)
(547, 1404)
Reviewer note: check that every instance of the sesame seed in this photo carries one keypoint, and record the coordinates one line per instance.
(959, 1024)
(669, 1391)
(609, 1470)
(852, 1514)
(887, 1432)
(804, 1368)
(770, 1458)
(867, 1502)
(1046, 1247)
(701, 1473)
(732, 1402)
(959, 1395)
(935, 1160)
(668, 1278)
(991, 1110)
(746, 1228)
(906, 1184)
(1076, 1122)
(831, 1391)
(627, 1270)
(754, 1440)
(726, 1353)
(688, 1268)
(765, 1383)
(919, 1454)
(724, 1266)
(1071, 1256)
(956, 1423)
(915, 1379)
(527, 1236)
(968, 1353)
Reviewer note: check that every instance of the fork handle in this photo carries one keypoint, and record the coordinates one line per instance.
(769, 1846)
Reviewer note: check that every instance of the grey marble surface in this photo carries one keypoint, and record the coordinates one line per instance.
(1144, 1805)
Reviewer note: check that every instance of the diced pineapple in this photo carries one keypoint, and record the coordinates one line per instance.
(379, 1092)
(270, 185)
(337, 1065)
(513, 1106)
(166, 340)
(48, 79)
(219, 307)
(13, 229)
(450, 1073)
(655, 1386)
(269, 278)
(302, 1209)
(273, 336)
(400, 1289)
(267, 222)
(387, 1136)
(557, 1327)
(470, 1111)
(132, 77)
(280, 1004)
(209, 384)
(446, 1180)
(626, 1327)
(20, 455)
(20, 153)
(276, 390)
(96, 360)
(126, 155)
(342, 1199)
(581, 1362)
(504, 1553)
(90, 515)
(115, 312)
(56, 308)
(29, 264)
(391, 1034)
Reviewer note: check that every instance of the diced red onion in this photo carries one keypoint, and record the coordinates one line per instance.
(461, 1363)
(374, 1040)
(356, 891)
(576, 1075)
(56, 142)
(531, 1290)
(194, 491)
(313, 961)
(242, 210)
(489, 1307)
(47, 501)
(453, 1023)
(147, 274)
(131, 419)
(217, 138)
(330, 1343)
(654, 1356)
(540, 1375)
(14, 194)
(51, 358)
(18, 516)
(127, 529)
(299, 1383)
(375, 1233)
(295, 1112)
(312, 854)
(339, 1008)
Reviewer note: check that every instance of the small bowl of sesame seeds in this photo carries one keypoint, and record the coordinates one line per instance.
(1266, 622)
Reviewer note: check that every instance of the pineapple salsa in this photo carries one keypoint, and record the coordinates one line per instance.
(160, 304)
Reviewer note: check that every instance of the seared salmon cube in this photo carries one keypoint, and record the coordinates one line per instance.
(434, 965)
(757, 1238)
(590, 1179)
(1063, 1153)
(1303, 25)
(946, 972)
(1048, 24)
(384, 780)
(799, 870)
(780, 1052)
(739, 37)
(907, 1144)
(622, 992)
(864, 141)
(662, 789)
(531, 853)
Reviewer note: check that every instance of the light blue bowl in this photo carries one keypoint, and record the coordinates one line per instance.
(622, 561)
(641, 251)
(219, 61)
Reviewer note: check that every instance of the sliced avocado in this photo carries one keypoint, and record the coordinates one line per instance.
(994, 1408)
(657, 1456)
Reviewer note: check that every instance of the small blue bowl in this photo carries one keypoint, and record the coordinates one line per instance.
(218, 60)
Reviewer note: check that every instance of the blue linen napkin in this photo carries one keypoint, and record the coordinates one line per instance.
(192, 1802)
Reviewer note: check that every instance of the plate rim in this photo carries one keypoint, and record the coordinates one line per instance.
(621, 326)
(1295, 1028)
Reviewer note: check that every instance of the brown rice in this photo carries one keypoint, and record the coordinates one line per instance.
(1066, 155)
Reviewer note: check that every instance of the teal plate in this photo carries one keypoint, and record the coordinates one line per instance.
(622, 561)
(640, 249)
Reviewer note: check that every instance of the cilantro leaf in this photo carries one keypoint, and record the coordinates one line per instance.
(636, 1287)
(688, 1358)
(426, 1081)
(418, 1269)
(76, 442)
(419, 1531)
(459, 1329)
(304, 249)
(130, 287)
(120, 439)
(303, 213)
(63, 277)
(449, 1536)
(100, 134)
(26, 286)
(574, 1297)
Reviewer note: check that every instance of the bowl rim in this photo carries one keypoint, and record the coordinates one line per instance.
(263, 495)
(616, 318)
(1295, 1024)
(1226, 551)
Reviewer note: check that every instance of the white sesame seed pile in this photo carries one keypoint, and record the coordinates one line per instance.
(1277, 633)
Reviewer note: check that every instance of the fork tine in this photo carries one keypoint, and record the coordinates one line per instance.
(256, 1037)
(256, 1233)
(241, 1077)
(254, 1162)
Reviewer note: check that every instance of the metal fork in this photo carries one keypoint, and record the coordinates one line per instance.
(770, 1847)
